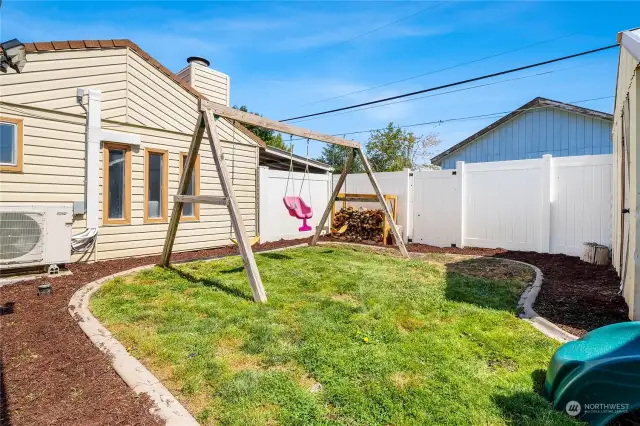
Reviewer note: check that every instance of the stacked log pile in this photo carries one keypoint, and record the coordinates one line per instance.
(363, 224)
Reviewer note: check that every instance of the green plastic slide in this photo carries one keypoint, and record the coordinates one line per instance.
(597, 378)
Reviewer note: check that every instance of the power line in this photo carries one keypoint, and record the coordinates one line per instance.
(437, 71)
(471, 117)
(453, 91)
(444, 86)
(383, 27)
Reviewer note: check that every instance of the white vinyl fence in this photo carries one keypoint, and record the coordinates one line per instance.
(548, 205)
(275, 222)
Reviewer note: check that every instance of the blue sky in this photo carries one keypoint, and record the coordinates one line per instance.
(282, 55)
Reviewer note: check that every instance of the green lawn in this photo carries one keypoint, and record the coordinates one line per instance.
(348, 336)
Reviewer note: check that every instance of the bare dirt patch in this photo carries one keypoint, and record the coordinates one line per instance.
(492, 269)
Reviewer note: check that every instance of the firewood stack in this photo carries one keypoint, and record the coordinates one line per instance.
(363, 224)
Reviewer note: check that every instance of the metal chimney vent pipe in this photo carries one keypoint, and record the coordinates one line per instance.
(198, 60)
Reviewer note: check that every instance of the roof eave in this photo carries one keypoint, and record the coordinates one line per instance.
(284, 154)
(537, 102)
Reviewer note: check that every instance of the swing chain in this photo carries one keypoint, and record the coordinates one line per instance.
(289, 177)
(306, 175)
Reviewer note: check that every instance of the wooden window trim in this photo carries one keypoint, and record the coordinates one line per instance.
(17, 168)
(165, 185)
(196, 188)
(126, 220)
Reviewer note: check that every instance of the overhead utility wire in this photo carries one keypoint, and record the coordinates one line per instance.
(458, 83)
(453, 91)
(437, 71)
(471, 117)
(382, 27)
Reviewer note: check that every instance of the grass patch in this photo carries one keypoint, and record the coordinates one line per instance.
(349, 337)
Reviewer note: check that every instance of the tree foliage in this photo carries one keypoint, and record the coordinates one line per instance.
(270, 137)
(393, 149)
(336, 157)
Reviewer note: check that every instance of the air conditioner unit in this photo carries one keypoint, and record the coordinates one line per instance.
(35, 234)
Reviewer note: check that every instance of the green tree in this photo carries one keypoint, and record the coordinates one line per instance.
(270, 137)
(393, 149)
(336, 157)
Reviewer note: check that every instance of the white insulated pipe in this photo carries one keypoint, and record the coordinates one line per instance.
(93, 157)
(95, 135)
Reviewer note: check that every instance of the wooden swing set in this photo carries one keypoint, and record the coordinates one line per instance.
(209, 113)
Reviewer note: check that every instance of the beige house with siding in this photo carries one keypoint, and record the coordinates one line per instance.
(626, 174)
(150, 114)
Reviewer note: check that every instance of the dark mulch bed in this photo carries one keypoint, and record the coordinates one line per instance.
(51, 374)
(575, 295)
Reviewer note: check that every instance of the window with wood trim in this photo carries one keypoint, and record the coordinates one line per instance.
(116, 184)
(156, 181)
(11, 131)
(191, 211)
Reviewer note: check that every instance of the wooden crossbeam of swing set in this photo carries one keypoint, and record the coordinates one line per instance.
(209, 113)
(204, 199)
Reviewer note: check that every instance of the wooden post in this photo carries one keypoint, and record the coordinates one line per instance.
(385, 206)
(250, 265)
(334, 194)
(182, 190)
(595, 253)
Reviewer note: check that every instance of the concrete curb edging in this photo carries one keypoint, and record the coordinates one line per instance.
(134, 374)
(528, 298)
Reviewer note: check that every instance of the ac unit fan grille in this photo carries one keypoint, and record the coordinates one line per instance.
(21, 237)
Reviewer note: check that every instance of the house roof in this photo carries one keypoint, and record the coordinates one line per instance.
(280, 160)
(534, 104)
(47, 46)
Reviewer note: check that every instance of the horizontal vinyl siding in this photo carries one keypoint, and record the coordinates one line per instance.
(535, 133)
(185, 75)
(154, 100)
(50, 80)
(54, 153)
(158, 101)
(213, 228)
(212, 84)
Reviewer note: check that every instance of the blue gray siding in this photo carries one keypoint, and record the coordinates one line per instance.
(535, 133)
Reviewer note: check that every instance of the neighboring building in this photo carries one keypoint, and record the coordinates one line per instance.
(539, 127)
(120, 166)
(278, 159)
(625, 170)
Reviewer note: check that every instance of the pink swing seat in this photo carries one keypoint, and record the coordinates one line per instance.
(299, 209)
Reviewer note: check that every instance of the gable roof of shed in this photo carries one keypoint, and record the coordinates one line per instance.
(48, 46)
(538, 102)
(630, 39)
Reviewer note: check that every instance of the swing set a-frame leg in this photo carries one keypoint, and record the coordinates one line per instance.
(334, 195)
(240, 230)
(182, 190)
(376, 188)
(206, 120)
(385, 206)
